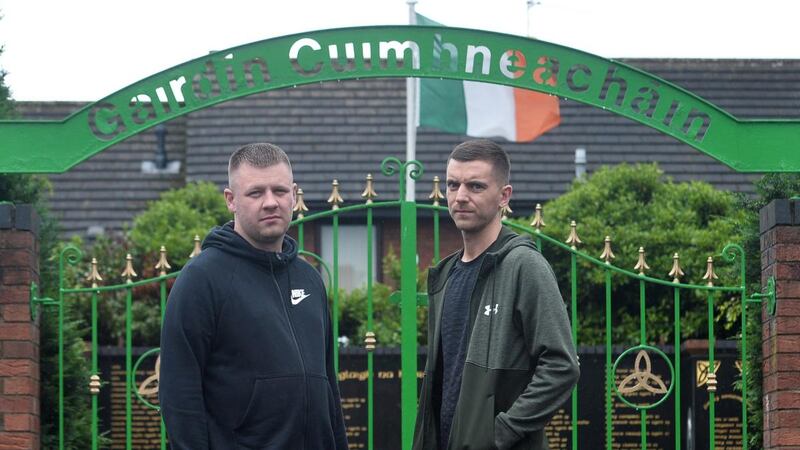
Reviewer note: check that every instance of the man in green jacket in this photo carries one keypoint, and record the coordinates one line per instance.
(501, 359)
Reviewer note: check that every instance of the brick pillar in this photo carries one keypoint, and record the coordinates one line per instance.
(19, 335)
(780, 257)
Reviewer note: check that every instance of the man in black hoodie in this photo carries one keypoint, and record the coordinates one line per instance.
(501, 360)
(246, 343)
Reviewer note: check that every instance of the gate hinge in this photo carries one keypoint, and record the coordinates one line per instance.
(35, 300)
(770, 294)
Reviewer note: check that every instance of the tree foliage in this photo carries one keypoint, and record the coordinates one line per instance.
(637, 206)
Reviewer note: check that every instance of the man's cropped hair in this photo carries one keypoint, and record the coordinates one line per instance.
(259, 154)
(485, 150)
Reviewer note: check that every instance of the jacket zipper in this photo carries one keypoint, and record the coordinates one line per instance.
(296, 346)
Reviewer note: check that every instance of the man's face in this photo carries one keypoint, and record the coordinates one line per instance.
(474, 194)
(261, 200)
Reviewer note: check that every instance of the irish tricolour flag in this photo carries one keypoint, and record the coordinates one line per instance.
(483, 109)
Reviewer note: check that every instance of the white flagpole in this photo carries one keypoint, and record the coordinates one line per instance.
(411, 116)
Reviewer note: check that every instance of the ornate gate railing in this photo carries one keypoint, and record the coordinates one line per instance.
(641, 378)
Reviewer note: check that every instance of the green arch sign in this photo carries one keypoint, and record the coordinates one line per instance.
(400, 51)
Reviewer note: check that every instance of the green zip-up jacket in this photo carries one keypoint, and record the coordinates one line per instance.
(521, 363)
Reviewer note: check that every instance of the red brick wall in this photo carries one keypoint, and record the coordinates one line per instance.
(780, 257)
(19, 335)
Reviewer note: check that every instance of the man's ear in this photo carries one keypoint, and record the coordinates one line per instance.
(505, 195)
(294, 195)
(228, 193)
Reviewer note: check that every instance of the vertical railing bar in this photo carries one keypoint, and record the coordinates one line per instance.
(643, 341)
(742, 275)
(128, 366)
(61, 352)
(609, 375)
(711, 367)
(336, 292)
(574, 313)
(435, 236)
(300, 236)
(163, 286)
(94, 371)
(677, 364)
(370, 367)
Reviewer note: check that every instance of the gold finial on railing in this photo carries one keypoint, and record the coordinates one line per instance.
(94, 275)
(711, 382)
(196, 250)
(370, 341)
(335, 199)
(676, 271)
(506, 211)
(94, 384)
(607, 254)
(573, 240)
(436, 194)
(538, 218)
(300, 207)
(163, 265)
(129, 273)
(710, 275)
(369, 192)
(641, 265)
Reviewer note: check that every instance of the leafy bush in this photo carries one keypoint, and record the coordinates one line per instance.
(638, 207)
(386, 314)
(174, 220)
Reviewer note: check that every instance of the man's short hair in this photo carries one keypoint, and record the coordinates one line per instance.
(485, 150)
(259, 154)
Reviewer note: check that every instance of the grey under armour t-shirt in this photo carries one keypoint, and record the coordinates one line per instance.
(454, 334)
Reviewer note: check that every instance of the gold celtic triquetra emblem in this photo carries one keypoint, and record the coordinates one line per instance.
(642, 378)
(150, 385)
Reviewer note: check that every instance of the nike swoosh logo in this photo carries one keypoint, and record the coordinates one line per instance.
(299, 299)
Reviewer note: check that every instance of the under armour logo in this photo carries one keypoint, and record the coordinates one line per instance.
(489, 309)
(298, 295)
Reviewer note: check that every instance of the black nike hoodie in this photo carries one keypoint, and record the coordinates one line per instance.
(247, 352)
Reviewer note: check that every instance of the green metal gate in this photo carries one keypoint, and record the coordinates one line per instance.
(669, 390)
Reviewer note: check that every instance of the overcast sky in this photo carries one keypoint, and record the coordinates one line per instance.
(87, 49)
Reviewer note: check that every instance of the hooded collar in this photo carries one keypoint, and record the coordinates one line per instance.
(505, 241)
(229, 241)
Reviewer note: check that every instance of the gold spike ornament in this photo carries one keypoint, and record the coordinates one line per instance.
(94, 275)
(676, 271)
(573, 240)
(128, 273)
(335, 199)
(607, 254)
(196, 250)
(710, 275)
(163, 265)
(436, 194)
(300, 207)
(641, 265)
(369, 192)
(538, 218)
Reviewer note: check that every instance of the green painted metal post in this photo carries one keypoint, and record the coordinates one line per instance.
(677, 364)
(94, 370)
(609, 374)
(574, 313)
(370, 359)
(163, 310)
(408, 320)
(128, 367)
(711, 394)
(335, 312)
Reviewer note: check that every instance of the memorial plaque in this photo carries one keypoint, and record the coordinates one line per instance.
(626, 420)
(728, 402)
